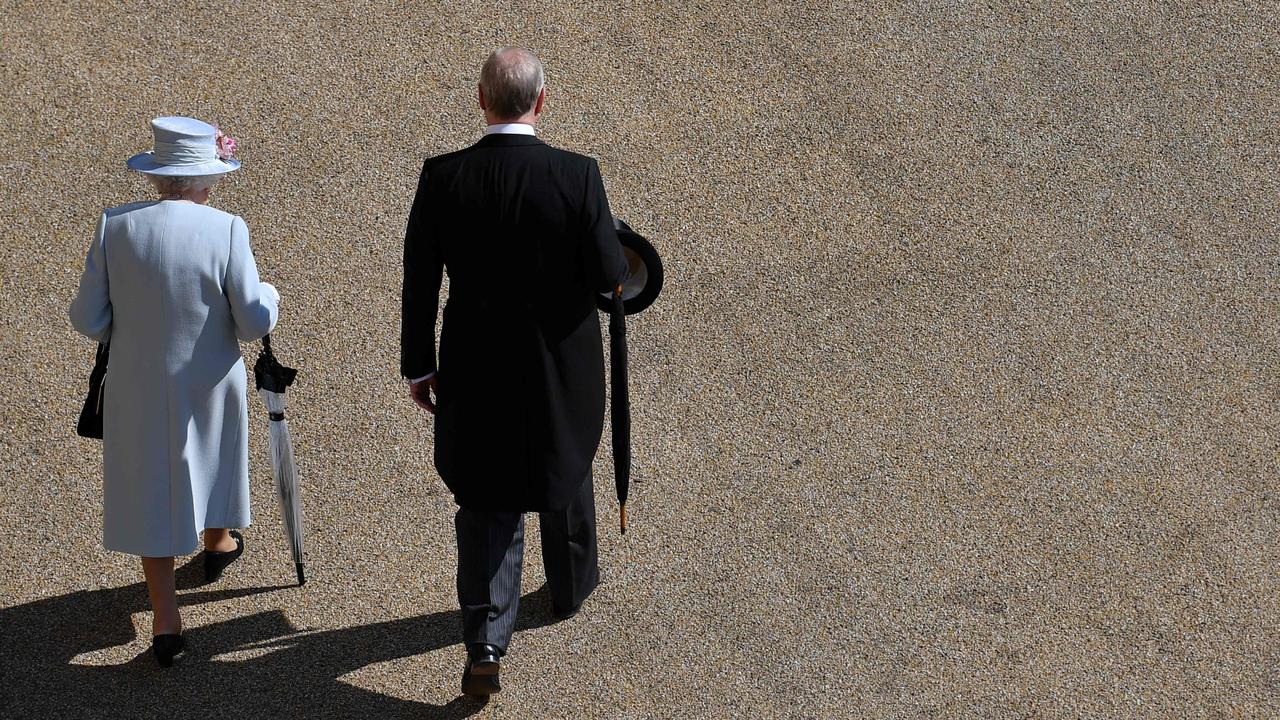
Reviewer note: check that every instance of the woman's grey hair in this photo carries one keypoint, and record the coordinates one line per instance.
(511, 80)
(183, 184)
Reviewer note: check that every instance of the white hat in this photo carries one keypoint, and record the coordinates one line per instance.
(184, 146)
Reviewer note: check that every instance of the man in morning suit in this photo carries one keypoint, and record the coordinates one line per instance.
(525, 232)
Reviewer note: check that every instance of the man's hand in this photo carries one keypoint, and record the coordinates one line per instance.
(421, 393)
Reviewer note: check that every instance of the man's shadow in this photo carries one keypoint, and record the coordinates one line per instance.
(286, 673)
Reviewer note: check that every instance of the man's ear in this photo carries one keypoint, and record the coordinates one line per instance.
(542, 95)
(480, 96)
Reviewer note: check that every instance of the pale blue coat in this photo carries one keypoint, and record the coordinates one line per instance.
(173, 285)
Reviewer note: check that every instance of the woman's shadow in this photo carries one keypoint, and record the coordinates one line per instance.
(285, 672)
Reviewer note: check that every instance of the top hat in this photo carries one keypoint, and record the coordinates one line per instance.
(644, 272)
(183, 146)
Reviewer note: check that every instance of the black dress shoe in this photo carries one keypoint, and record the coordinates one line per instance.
(168, 649)
(565, 614)
(480, 676)
(216, 562)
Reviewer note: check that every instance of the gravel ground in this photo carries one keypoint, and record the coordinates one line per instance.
(961, 400)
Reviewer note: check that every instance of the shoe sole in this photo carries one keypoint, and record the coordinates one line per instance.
(482, 681)
(175, 660)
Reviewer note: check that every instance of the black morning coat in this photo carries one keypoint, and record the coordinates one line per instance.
(525, 232)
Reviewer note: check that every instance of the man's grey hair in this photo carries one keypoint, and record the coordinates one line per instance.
(511, 80)
(183, 184)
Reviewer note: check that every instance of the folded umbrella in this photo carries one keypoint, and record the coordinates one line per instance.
(272, 378)
(637, 292)
(620, 404)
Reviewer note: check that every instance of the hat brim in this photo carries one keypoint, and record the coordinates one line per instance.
(145, 162)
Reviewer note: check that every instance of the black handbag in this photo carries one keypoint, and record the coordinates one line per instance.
(90, 424)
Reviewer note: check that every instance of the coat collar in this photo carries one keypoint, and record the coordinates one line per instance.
(507, 140)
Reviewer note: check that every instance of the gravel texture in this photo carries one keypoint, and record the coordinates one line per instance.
(961, 399)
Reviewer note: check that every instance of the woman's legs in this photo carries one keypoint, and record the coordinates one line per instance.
(164, 596)
(161, 585)
(219, 540)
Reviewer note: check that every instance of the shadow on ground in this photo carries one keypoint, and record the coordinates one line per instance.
(286, 672)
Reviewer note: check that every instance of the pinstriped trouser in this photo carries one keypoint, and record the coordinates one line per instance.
(490, 555)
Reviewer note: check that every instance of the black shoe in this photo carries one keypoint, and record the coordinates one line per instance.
(480, 676)
(565, 614)
(216, 562)
(168, 649)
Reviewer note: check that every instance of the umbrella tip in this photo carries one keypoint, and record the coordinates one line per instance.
(302, 578)
(622, 517)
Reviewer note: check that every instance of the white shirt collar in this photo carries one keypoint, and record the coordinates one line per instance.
(510, 129)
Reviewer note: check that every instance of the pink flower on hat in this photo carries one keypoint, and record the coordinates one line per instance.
(226, 144)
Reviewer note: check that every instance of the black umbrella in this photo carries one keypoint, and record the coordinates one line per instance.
(620, 404)
(272, 378)
(637, 292)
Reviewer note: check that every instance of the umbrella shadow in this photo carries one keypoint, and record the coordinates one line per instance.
(258, 665)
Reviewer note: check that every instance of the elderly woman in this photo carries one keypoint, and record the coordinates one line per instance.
(171, 284)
